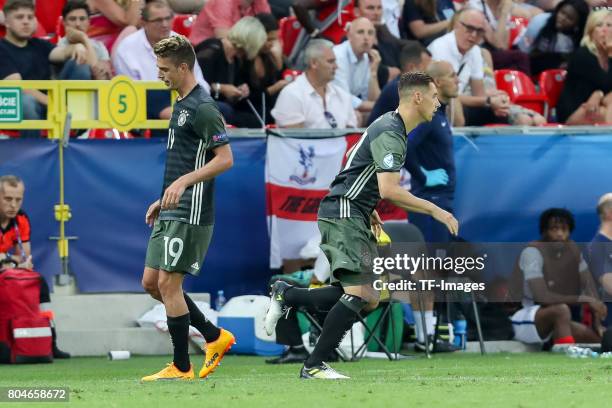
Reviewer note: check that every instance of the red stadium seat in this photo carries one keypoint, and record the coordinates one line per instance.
(47, 13)
(290, 74)
(289, 29)
(551, 84)
(108, 134)
(336, 32)
(183, 23)
(517, 27)
(521, 90)
(60, 30)
(9, 133)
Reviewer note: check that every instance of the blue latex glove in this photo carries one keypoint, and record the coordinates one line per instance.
(437, 177)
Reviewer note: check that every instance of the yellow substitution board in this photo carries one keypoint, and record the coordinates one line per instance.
(119, 103)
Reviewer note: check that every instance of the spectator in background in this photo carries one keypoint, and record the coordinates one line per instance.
(552, 37)
(387, 45)
(586, 98)
(312, 100)
(113, 20)
(266, 70)
(426, 20)
(460, 48)
(15, 241)
(600, 250)
(498, 13)
(392, 11)
(218, 16)
(517, 114)
(358, 63)
(135, 57)
(550, 276)
(225, 65)
(27, 58)
(75, 15)
(430, 156)
(413, 57)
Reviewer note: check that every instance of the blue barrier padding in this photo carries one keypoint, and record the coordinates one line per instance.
(502, 186)
(35, 161)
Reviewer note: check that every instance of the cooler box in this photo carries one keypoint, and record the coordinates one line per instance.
(244, 316)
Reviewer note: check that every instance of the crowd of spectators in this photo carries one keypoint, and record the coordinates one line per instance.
(241, 60)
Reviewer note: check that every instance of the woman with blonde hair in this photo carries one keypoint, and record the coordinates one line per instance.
(586, 98)
(224, 65)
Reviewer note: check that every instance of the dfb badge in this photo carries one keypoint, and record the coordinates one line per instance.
(388, 161)
(182, 118)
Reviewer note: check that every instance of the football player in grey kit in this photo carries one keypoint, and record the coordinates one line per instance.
(197, 151)
(346, 218)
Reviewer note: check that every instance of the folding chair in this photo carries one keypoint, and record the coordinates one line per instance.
(409, 233)
(386, 305)
(357, 354)
(314, 322)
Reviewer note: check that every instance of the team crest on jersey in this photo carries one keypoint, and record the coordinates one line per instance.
(305, 176)
(182, 119)
(388, 161)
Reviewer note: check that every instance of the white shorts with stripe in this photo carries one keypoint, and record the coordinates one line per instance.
(523, 323)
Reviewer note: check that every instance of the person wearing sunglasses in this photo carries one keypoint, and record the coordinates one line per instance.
(312, 100)
(461, 48)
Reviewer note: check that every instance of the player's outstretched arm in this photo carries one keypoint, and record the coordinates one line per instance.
(390, 189)
(222, 161)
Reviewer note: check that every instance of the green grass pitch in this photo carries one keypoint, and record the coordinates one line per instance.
(459, 380)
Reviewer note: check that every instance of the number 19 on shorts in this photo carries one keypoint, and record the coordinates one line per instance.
(173, 247)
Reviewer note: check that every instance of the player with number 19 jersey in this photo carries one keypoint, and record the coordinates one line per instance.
(196, 128)
(181, 235)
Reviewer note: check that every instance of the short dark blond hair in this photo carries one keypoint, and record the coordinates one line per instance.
(11, 180)
(410, 80)
(176, 48)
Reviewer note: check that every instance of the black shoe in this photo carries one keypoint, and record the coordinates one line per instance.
(59, 354)
(441, 346)
(290, 356)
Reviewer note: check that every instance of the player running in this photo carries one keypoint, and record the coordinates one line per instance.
(197, 151)
(347, 214)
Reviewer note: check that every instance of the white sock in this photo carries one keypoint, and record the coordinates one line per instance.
(418, 327)
(430, 321)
